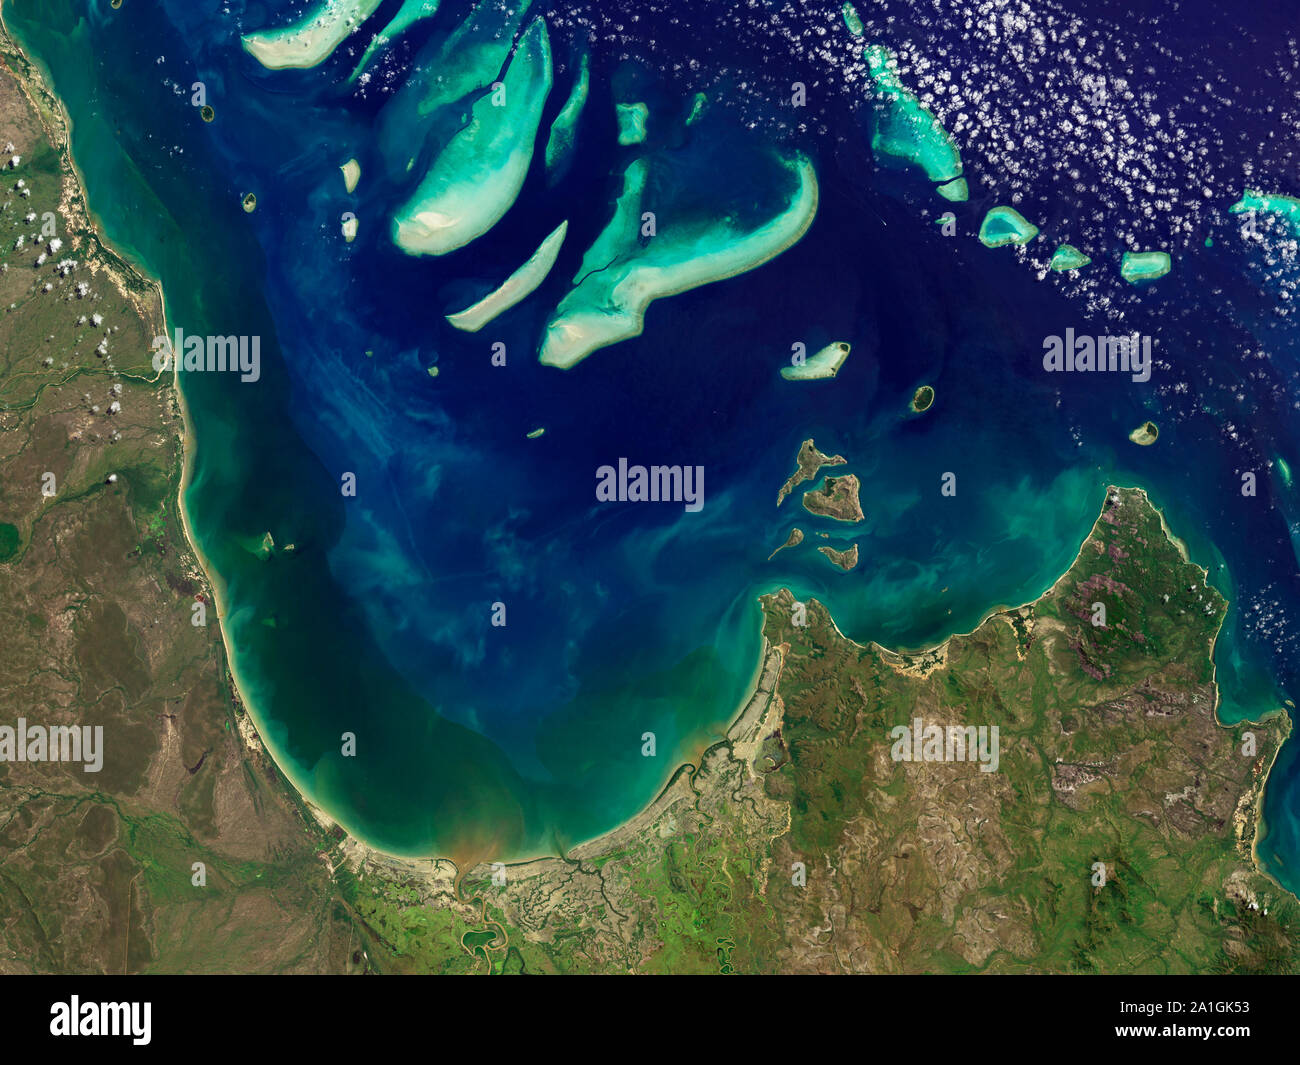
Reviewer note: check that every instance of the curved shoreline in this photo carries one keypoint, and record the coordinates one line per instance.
(1260, 823)
(769, 657)
(253, 730)
(133, 270)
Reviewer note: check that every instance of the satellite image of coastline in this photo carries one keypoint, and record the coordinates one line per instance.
(645, 487)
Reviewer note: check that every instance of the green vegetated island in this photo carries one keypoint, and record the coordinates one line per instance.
(1114, 835)
(836, 498)
(1109, 753)
(808, 463)
(845, 559)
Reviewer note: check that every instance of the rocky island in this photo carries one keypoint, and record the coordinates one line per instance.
(808, 462)
(846, 560)
(837, 498)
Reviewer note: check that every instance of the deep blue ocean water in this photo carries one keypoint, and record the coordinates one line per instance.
(632, 618)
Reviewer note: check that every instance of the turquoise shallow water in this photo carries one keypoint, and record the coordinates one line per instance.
(622, 619)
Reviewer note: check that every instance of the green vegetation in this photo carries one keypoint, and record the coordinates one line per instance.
(10, 538)
(1115, 834)
(97, 871)
(1110, 760)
